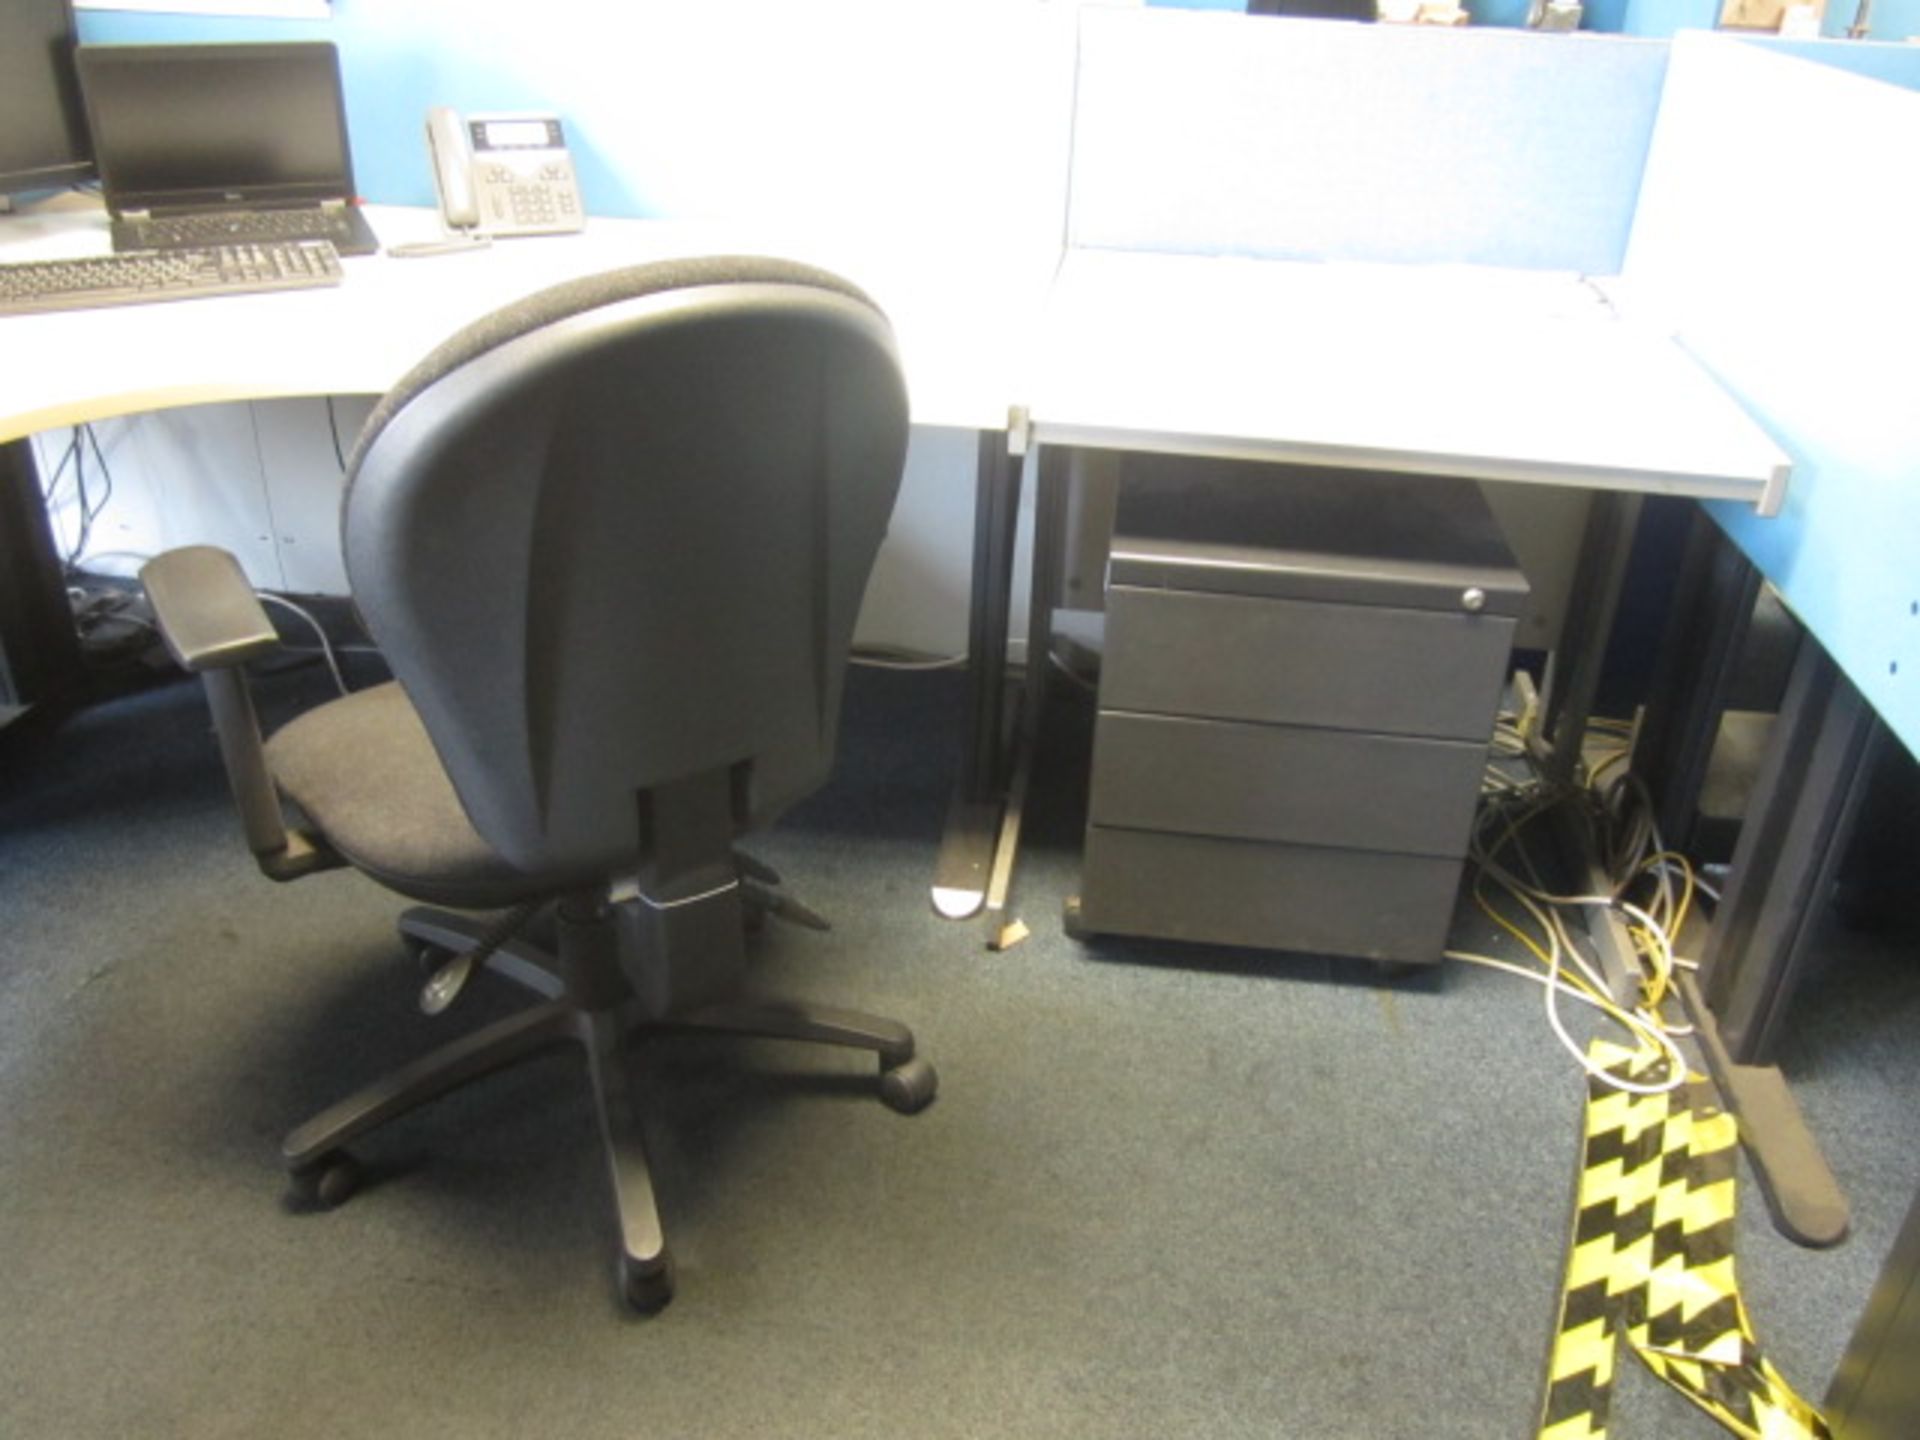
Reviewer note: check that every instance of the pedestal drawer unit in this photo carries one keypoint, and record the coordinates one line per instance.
(1301, 676)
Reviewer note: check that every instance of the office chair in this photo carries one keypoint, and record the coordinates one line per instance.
(612, 541)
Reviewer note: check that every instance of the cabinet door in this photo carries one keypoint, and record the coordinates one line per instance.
(303, 444)
(200, 467)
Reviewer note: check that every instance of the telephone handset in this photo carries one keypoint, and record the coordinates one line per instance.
(503, 174)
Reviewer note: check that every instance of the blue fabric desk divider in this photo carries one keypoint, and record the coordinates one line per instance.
(1895, 64)
(1210, 133)
(1776, 237)
(1195, 130)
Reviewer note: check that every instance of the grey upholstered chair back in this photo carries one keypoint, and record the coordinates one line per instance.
(618, 534)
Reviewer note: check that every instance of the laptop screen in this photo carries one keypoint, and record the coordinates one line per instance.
(209, 125)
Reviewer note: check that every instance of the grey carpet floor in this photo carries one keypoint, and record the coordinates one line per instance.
(1160, 1194)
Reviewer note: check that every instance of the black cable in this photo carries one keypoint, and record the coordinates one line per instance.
(333, 429)
(106, 471)
(86, 505)
(47, 492)
(1627, 829)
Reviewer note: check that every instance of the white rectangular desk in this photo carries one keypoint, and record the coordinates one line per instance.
(1494, 374)
(1497, 374)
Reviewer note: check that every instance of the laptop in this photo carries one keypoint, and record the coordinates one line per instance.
(222, 144)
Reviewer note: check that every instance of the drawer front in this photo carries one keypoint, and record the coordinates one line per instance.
(1361, 903)
(1296, 662)
(1277, 782)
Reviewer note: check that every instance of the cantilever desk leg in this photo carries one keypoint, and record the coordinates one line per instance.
(1050, 486)
(1791, 841)
(967, 849)
(1876, 1391)
(1818, 762)
(1819, 759)
(1711, 615)
(1573, 680)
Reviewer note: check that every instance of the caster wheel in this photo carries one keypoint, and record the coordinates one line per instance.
(1070, 921)
(646, 1288)
(909, 1086)
(424, 955)
(328, 1181)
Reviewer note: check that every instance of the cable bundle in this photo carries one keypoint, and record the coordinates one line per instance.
(1652, 889)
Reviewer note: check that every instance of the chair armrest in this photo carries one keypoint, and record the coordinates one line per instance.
(212, 624)
(207, 612)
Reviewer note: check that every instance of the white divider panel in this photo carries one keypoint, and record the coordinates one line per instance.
(1777, 236)
(1212, 133)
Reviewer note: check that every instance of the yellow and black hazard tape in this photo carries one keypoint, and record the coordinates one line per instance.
(1651, 1259)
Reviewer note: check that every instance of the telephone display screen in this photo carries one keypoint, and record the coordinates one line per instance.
(516, 135)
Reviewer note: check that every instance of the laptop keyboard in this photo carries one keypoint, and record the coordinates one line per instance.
(242, 227)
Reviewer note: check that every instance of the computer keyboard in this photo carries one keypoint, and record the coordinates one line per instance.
(244, 227)
(146, 276)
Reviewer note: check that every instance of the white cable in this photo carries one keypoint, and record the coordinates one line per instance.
(1675, 1061)
(882, 662)
(1539, 977)
(1562, 945)
(326, 645)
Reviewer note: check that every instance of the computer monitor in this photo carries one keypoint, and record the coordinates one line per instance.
(43, 125)
(1314, 9)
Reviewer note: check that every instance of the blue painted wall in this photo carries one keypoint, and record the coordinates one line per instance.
(941, 116)
(1891, 19)
(1664, 18)
(1894, 64)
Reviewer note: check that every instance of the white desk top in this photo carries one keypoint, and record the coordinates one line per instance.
(1494, 374)
(952, 321)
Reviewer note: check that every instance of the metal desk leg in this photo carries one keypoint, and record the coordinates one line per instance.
(1573, 680)
(1712, 609)
(39, 651)
(1712, 612)
(963, 869)
(1049, 510)
(1792, 841)
(1876, 1391)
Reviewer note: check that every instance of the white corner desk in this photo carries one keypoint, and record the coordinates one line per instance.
(1507, 375)
(951, 315)
(1493, 374)
(359, 337)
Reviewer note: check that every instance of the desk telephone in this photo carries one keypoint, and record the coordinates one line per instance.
(503, 174)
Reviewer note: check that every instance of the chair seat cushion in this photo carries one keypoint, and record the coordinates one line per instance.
(363, 771)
